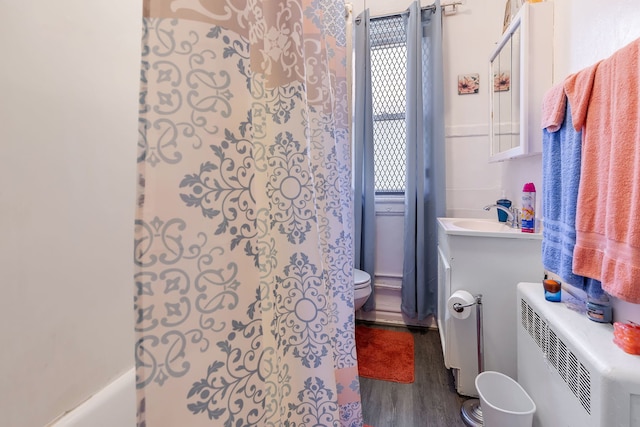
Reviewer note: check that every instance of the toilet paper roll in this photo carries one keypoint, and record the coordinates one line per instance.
(460, 297)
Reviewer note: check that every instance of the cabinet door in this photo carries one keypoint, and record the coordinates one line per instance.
(521, 69)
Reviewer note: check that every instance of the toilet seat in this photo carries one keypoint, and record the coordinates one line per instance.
(361, 278)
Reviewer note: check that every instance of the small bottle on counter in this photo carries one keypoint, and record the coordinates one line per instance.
(598, 303)
(552, 290)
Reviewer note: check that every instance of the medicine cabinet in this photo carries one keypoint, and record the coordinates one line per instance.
(520, 69)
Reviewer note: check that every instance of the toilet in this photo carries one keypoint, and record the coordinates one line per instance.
(362, 288)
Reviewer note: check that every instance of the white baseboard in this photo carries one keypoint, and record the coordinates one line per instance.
(114, 405)
(388, 299)
(395, 318)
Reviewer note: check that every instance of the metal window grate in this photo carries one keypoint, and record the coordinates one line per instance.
(389, 93)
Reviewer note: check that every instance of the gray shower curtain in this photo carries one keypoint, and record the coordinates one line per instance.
(364, 200)
(424, 186)
(424, 191)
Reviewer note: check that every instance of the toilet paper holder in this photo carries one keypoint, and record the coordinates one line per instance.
(459, 308)
(470, 410)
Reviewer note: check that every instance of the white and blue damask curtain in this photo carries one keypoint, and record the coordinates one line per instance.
(243, 243)
(424, 191)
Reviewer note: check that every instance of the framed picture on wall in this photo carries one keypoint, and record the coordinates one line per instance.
(501, 81)
(468, 83)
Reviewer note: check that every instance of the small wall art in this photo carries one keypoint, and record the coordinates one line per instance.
(468, 84)
(501, 81)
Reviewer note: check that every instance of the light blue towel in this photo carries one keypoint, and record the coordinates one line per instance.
(561, 159)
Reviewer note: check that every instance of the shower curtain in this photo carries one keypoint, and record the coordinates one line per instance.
(363, 177)
(425, 184)
(243, 233)
(425, 178)
(424, 193)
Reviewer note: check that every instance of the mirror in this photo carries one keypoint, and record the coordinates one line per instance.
(505, 98)
(521, 69)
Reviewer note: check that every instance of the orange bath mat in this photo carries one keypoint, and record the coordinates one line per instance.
(385, 355)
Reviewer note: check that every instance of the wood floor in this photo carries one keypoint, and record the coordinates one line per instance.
(431, 401)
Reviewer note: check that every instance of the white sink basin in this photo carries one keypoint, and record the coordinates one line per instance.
(483, 227)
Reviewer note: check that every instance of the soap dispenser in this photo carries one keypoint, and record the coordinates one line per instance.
(503, 201)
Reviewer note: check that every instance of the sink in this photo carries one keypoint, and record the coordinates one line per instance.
(484, 227)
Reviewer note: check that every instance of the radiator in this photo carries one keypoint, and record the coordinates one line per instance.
(571, 368)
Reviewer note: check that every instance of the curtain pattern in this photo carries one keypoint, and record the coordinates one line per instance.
(243, 235)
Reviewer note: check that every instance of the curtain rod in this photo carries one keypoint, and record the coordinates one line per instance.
(431, 7)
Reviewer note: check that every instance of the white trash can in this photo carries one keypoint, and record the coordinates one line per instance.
(503, 401)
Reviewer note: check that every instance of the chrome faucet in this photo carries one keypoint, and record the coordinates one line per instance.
(513, 216)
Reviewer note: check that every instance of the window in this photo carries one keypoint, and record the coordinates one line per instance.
(389, 93)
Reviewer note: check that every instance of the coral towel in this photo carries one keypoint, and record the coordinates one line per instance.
(553, 108)
(607, 221)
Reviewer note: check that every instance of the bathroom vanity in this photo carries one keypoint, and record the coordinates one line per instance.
(489, 258)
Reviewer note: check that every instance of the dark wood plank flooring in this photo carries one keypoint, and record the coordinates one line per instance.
(431, 401)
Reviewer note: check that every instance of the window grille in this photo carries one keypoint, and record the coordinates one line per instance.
(389, 94)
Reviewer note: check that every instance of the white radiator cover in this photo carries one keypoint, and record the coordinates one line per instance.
(571, 368)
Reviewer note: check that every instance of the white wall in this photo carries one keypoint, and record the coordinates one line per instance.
(68, 130)
(469, 38)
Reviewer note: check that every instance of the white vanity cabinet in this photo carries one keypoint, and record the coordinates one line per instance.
(491, 264)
